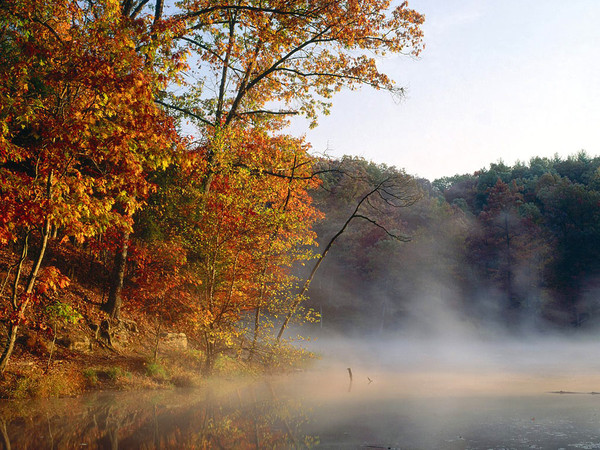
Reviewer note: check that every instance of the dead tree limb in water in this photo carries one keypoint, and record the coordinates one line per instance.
(350, 374)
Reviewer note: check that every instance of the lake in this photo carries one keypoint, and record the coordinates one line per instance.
(416, 396)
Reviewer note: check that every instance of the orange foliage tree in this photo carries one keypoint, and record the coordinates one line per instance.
(241, 238)
(78, 127)
(80, 133)
(261, 62)
(258, 63)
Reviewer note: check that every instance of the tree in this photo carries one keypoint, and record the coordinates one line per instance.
(500, 221)
(241, 238)
(571, 213)
(260, 62)
(383, 189)
(79, 128)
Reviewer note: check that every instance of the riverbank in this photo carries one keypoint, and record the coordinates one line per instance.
(38, 370)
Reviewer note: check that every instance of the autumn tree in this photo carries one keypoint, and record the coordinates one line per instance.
(79, 128)
(261, 62)
(241, 239)
(495, 245)
(258, 64)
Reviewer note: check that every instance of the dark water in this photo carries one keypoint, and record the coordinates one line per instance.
(493, 399)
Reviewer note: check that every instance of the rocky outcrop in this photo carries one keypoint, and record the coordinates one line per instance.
(173, 341)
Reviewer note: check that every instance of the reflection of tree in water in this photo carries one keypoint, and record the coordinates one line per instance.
(251, 416)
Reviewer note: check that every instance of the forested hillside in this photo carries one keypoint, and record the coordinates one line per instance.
(514, 247)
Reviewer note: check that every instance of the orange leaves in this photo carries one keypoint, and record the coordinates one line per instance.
(80, 109)
(293, 54)
(51, 280)
(256, 219)
(239, 239)
(162, 283)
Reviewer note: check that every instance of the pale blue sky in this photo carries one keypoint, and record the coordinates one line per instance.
(498, 79)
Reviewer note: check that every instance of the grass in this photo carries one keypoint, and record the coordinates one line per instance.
(91, 375)
(32, 383)
(155, 370)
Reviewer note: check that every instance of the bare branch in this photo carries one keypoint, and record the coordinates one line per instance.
(398, 237)
(266, 111)
(184, 111)
(202, 46)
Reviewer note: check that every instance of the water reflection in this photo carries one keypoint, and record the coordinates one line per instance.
(496, 399)
(227, 416)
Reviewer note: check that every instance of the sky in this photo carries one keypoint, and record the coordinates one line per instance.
(498, 80)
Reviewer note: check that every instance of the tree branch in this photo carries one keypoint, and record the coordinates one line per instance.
(394, 236)
(184, 111)
(265, 111)
(281, 12)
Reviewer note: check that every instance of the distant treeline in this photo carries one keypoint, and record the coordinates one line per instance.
(517, 246)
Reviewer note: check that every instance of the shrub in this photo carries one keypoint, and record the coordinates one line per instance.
(91, 375)
(156, 371)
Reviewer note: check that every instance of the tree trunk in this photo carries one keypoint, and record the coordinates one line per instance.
(19, 309)
(306, 285)
(209, 356)
(9, 347)
(255, 335)
(157, 342)
(113, 304)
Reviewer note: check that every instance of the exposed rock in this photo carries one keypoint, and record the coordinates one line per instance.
(117, 333)
(34, 342)
(174, 341)
(75, 343)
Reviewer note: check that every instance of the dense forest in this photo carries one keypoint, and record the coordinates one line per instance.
(513, 247)
(147, 183)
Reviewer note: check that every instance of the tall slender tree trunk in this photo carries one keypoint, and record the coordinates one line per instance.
(209, 356)
(13, 329)
(255, 334)
(306, 285)
(20, 307)
(114, 302)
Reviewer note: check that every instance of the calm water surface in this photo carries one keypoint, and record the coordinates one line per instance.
(410, 406)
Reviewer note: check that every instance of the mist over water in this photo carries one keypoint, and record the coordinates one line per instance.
(409, 366)
(471, 389)
(461, 387)
(440, 351)
(461, 350)
(433, 369)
